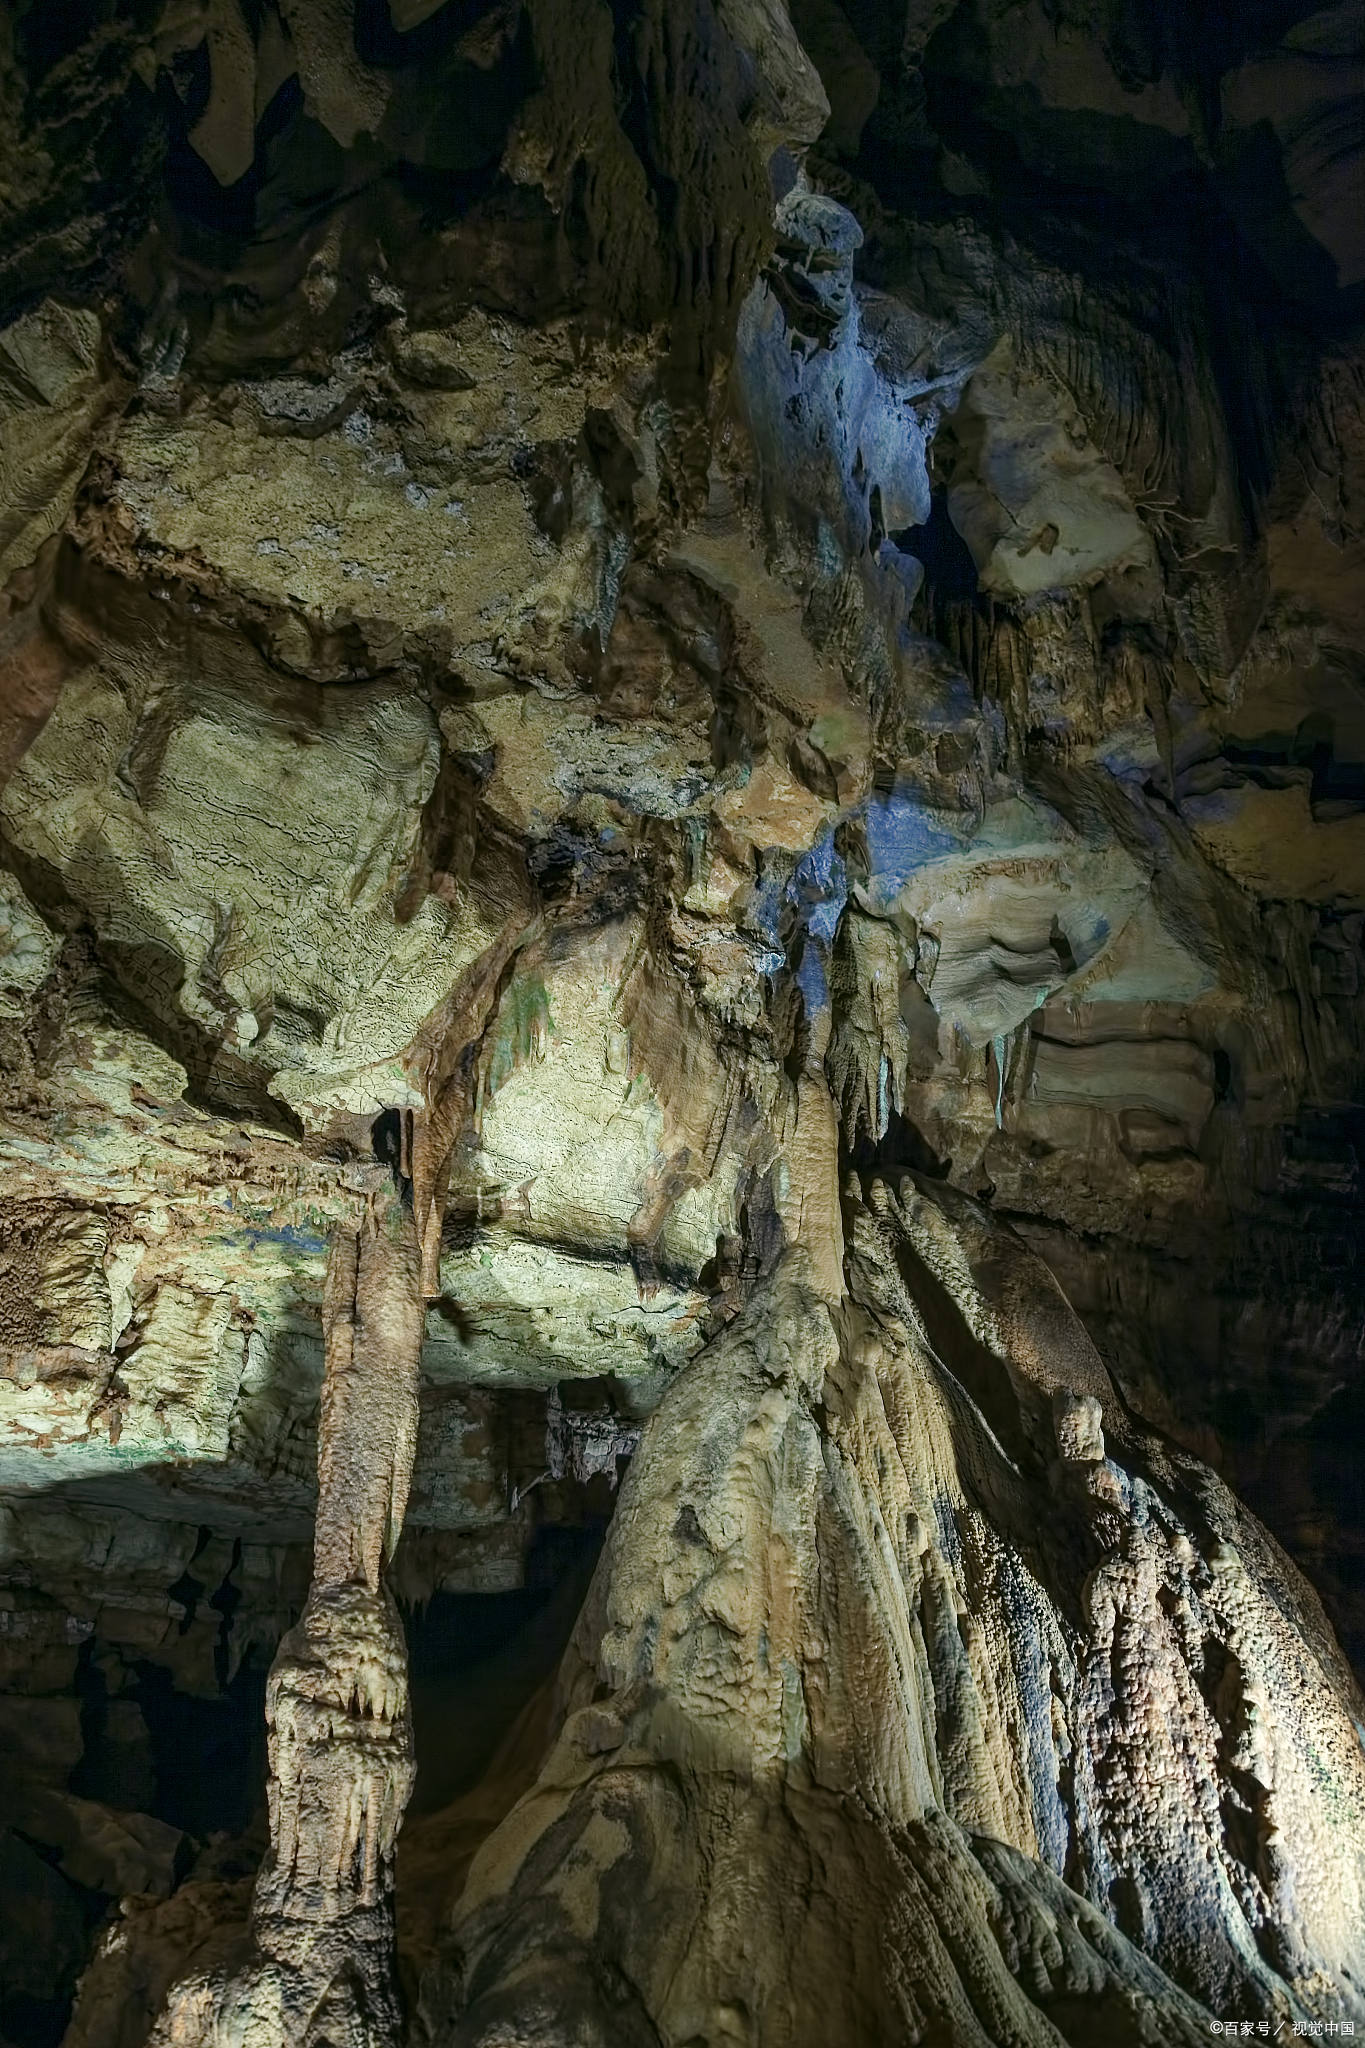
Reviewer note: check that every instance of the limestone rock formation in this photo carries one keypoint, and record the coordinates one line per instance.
(682, 926)
(321, 1965)
(850, 1753)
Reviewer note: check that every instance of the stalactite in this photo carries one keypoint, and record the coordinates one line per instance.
(444, 1063)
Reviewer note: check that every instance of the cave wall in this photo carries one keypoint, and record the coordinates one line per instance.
(683, 637)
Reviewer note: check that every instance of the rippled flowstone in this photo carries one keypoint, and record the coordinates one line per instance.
(917, 1690)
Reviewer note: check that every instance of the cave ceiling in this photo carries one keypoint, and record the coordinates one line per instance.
(689, 679)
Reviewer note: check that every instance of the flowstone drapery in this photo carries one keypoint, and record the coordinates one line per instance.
(888, 1722)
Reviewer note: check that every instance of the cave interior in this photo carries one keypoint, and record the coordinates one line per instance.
(682, 1067)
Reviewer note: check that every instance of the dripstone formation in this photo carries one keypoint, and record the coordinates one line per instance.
(682, 1079)
(341, 1765)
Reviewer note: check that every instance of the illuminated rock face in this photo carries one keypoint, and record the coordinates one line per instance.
(863, 1699)
(682, 861)
(321, 1961)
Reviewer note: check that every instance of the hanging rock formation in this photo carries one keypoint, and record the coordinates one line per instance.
(682, 925)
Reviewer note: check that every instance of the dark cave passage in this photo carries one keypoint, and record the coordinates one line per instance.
(476, 1659)
(137, 1775)
(949, 568)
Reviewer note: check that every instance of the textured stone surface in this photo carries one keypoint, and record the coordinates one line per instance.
(715, 649)
(321, 1935)
(839, 1651)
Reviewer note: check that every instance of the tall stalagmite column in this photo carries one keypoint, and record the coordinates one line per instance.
(341, 1765)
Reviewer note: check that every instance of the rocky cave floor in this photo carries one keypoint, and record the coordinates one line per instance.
(682, 1081)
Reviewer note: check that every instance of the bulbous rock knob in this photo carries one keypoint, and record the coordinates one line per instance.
(1077, 1420)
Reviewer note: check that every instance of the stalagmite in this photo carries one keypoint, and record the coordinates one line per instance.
(321, 1973)
(842, 1758)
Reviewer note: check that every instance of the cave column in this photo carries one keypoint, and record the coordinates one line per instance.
(322, 1969)
(340, 1736)
(807, 1197)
